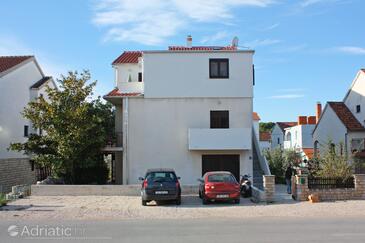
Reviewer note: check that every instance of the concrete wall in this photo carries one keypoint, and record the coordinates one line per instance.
(14, 96)
(276, 134)
(158, 134)
(186, 74)
(329, 128)
(356, 96)
(122, 72)
(15, 172)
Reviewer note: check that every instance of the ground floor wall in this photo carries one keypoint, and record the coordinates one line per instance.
(15, 172)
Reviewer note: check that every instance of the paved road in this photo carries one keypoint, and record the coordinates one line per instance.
(261, 229)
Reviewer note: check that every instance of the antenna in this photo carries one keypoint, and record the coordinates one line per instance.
(235, 41)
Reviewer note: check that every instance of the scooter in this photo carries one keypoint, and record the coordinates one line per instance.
(246, 190)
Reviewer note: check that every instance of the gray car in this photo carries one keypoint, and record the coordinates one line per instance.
(160, 185)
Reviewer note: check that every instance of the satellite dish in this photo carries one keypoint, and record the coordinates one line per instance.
(235, 41)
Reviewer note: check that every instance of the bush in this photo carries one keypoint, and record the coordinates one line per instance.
(3, 200)
(90, 175)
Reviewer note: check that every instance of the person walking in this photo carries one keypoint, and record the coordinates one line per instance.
(288, 175)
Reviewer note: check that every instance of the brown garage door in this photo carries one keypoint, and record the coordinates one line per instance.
(219, 162)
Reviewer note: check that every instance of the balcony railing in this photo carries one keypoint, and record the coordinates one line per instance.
(220, 139)
(131, 87)
(115, 142)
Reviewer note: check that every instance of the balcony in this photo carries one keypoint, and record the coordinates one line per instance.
(220, 139)
(131, 87)
(115, 143)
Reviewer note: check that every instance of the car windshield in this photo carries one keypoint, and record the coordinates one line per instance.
(221, 178)
(161, 176)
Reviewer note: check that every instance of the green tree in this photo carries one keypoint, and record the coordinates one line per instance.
(276, 161)
(75, 127)
(291, 157)
(266, 126)
(333, 164)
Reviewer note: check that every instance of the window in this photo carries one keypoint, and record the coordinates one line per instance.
(278, 140)
(26, 132)
(358, 109)
(219, 119)
(218, 68)
(139, 77)
(40, 132)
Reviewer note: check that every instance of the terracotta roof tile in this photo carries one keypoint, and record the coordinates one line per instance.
(40, 82)
(284, 125)
(346, 116)
(309, 152)
(128, 57)
(265, 136)
(201, 48)
(255, 116)
(116, 93)
(7, 62)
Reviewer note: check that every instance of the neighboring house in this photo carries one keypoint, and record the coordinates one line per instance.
(299, 137)
(342, 123)
(265, 141)
(187, 108)
(278, 132)
(21, 80)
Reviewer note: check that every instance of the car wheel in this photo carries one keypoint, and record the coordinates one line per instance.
(200, 194)
(237, 201)
(144, 202)
(178, 201)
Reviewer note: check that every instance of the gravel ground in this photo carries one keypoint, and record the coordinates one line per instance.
(125, 207)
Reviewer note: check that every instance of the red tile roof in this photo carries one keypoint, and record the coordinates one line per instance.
(265, 136)
(201, 48)
(255, 116)
(128, 57)
(284, 125)
(309, 152)
(116, 93)
(7, 62)
(346, 116)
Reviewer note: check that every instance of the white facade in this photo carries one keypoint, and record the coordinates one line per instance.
(355, 98)
(277, 137)
(299, 136)
(169, 125)
(15, 93)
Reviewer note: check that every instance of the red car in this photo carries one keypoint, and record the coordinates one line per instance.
(219, 186)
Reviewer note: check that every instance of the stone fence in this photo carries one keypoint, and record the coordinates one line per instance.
(98, 190)
(301, 190)
(268, 193)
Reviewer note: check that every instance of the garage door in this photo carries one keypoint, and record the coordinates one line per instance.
(219, 162)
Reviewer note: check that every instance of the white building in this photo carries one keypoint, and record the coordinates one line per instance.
(278, 134)
(21, 80)
(187, 108)
(342, 123)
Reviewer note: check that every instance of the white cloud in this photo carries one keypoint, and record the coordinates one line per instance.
(270, 27)
(216, 37)
(286, 96)
(11, 46)
(265, 42)
(152, 21)
(307, 3)
(354, 50)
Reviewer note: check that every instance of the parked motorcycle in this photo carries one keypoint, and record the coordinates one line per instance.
(246, 190)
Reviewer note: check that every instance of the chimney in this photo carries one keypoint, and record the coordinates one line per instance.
(302, 120)
(318, 111)
(189, 41)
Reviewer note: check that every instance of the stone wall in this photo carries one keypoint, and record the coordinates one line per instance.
(15, 172)
(266, 195)
(301, 191)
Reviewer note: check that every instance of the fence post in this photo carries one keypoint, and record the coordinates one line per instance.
(301, 188)
(360, 185)
(269, 187)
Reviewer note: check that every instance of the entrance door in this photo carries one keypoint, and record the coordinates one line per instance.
(222, 162)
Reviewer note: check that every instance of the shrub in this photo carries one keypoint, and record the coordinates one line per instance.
(3, 200)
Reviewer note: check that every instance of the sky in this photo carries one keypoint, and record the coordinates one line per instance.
(305, 50)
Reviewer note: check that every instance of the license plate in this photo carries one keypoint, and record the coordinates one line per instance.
(222, 196)
(161, 192)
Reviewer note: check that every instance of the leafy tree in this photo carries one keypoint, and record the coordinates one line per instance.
(276, 161)
(333, 164)
(291, 157)
(266, 126)
(75, 127)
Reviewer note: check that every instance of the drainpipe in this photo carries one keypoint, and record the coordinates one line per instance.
(125, 141)
(346, 149)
